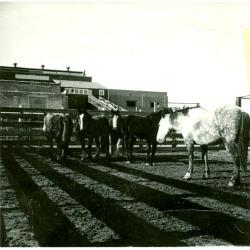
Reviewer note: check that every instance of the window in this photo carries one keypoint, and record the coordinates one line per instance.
(152, 104)
(76, 91)
(131, 104)
(101, 92)
(72, 91)
(37, 102)
(80, 91)
(67, 90)
(85, 91)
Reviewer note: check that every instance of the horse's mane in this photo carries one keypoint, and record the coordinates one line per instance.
(174, 113)
(85, 112)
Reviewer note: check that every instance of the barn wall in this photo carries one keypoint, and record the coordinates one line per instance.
(143, 99)
(30, 94)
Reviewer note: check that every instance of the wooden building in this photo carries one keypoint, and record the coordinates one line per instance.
(38, 87)
(55, 89)
(132, 100)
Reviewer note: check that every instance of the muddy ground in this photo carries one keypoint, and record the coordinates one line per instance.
(76, 203)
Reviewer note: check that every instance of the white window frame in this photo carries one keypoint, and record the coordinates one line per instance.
(101, 92)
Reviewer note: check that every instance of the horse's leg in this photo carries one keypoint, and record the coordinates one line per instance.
(131, 144)
(126, 143)
(106, 144)
(233, 150)
(148, 154)
(110, 144)
(82, 140)
(90, 148)
(204, 149)
(119, 147)
(50, 139)
(59, 149)
(65, 149)
(97, 144)
(154, 146)
(190, 148)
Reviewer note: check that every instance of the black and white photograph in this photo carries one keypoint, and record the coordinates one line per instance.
(125, 123)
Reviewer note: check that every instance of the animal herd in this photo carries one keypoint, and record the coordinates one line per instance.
(229, 125)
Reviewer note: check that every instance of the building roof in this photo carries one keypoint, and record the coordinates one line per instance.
(10, 72)
(40, 70)
(80, 84)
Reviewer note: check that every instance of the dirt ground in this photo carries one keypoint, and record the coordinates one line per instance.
(82, 203)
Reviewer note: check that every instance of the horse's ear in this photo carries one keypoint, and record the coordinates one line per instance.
(167, 111)
(184, 107)
(81, 110)
(44, 113)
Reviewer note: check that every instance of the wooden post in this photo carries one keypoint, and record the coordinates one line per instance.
(29, 131)
(238, 101)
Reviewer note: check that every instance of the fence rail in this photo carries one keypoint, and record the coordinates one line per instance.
(24, 126)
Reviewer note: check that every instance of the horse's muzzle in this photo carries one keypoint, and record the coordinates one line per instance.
(160, 140)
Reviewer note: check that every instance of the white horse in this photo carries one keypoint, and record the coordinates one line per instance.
(227, 124)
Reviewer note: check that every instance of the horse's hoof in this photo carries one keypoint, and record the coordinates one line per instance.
(147, 164)
(128, 162)
(187, 176)
(153, 164)
(83, 157)
(206, 176)
(234, 182)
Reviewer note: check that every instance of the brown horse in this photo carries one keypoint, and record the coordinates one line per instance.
(228, 124)
(116, 135)
(58, 128)
(93, 129)
(142, 128)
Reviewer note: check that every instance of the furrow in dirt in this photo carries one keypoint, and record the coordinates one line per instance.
(212, 228)
(159, 219)
(80, 217)
(151, 173)
(202, 201)
(225, 208)
(148, 213)
(50, 226)
(205, 240)
(15, 224)
(137, 231)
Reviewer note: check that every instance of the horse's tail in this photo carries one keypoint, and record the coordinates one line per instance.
(67, 128)
(244, 139)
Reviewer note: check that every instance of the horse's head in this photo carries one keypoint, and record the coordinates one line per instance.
(115, 115)
(165, 127)
(83, 119)
(46, 119)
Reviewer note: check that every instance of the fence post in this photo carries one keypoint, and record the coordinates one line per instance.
(29, 131)
(238, 101)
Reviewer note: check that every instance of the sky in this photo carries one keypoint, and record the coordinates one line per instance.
(195, 51)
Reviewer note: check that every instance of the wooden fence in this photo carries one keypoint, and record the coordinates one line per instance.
(23, 126)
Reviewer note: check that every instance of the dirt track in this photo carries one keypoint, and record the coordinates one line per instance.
(44, 203)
